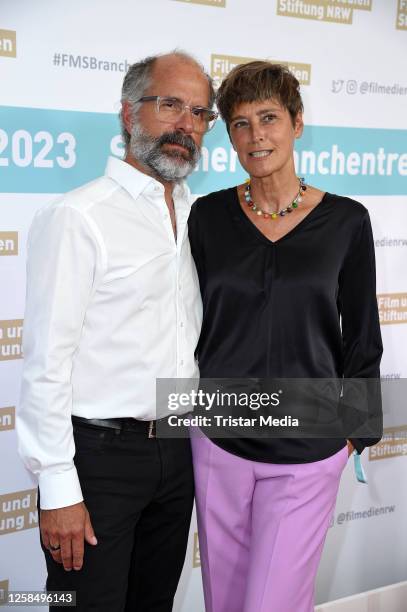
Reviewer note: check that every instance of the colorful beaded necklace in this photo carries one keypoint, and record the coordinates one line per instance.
(274, 215)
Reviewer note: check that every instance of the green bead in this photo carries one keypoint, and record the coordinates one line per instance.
(294, 205)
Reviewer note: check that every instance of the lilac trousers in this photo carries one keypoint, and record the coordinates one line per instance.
(261, 527)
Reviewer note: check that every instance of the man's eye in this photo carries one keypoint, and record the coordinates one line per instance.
(268, 118)
(169, 104)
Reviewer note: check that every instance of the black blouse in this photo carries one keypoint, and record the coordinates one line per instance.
(301, 307)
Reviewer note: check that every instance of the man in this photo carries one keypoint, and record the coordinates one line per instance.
(112, 304)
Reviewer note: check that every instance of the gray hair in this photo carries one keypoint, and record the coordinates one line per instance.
(138, 79)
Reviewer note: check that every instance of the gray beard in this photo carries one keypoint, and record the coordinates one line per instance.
(169, 166)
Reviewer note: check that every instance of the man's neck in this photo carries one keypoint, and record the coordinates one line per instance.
(168, 185)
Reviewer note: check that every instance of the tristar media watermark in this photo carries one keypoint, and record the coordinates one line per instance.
(392, 308)
(8, 243)
(221, 65)
(270, 408)
(401, 20)
(11, 335)
(336, 11)
(18, 511)
(8, 43)
(393, 444)
(218, 3)
(7, 418)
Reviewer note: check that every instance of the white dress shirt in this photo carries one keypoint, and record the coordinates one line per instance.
(113, 303)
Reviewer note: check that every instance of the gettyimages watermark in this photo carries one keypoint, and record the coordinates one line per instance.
(271, 408)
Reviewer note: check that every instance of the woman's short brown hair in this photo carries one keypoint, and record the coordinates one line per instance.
(258, 81)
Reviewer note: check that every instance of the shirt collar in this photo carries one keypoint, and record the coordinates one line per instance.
(136, 182)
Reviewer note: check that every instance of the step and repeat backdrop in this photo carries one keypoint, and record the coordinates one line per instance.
(61, 68)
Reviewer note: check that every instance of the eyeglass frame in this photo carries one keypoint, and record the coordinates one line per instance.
(184, 107)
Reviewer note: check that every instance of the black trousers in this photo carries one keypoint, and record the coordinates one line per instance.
(139, 494)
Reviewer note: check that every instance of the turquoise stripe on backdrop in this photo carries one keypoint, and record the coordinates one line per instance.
(53, 151)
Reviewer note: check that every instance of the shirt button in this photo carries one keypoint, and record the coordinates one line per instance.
(181, 324)
(181, 363)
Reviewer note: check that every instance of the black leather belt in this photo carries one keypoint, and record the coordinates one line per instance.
(119, 424)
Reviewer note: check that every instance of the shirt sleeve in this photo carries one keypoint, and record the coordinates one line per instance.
(62, 265)
(362, 343)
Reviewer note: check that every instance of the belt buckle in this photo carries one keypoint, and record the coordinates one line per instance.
(151, 429)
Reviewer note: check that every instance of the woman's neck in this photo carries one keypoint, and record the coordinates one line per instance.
(274, 192)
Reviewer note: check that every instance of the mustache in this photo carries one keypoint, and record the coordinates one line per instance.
(178, 138)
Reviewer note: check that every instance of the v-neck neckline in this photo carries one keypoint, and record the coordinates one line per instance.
(285, 236)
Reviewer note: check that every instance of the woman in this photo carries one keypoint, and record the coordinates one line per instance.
(287, 278)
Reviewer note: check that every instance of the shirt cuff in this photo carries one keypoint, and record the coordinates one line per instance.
(59, 489)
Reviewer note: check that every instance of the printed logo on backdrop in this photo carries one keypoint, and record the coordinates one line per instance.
(18, 511)
(196, 557)
(219, 3)
(390, 242)
(8, 43)
(7, 418)
(354, 515)
(4, 587)
(401, 21)
(8, 243)
(11, 335)
(334, 11)
(351, 87)
(48, 151)
(392, 308)
(221, 65)
(392, 444)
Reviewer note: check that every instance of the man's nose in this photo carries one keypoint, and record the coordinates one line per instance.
(185, 122)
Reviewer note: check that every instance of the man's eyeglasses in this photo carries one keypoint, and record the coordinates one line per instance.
(170, 109)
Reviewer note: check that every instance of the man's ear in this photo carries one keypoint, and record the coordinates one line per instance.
(127, 116)
(298, 125)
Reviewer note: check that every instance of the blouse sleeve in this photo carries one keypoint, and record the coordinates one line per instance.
(195, 241)
(361, 337)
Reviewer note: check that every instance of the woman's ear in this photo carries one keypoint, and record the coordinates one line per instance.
(298, 125)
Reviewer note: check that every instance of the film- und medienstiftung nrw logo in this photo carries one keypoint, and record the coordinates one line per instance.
(4, 587)
(393, 444)
(219, 3)
(196, 557)
(8, 43)
(334, 11)
(18, 511)
(11, 335)
(221, 65)
(8, 243)
(392, 308)
(401, 20)
(7, 418)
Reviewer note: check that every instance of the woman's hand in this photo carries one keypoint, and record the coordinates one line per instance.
(351, 448)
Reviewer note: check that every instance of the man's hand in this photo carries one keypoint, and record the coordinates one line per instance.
(351, 448)
(67, 528)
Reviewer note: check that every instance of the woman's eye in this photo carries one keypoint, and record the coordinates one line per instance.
(268, 118)
(240, 124)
